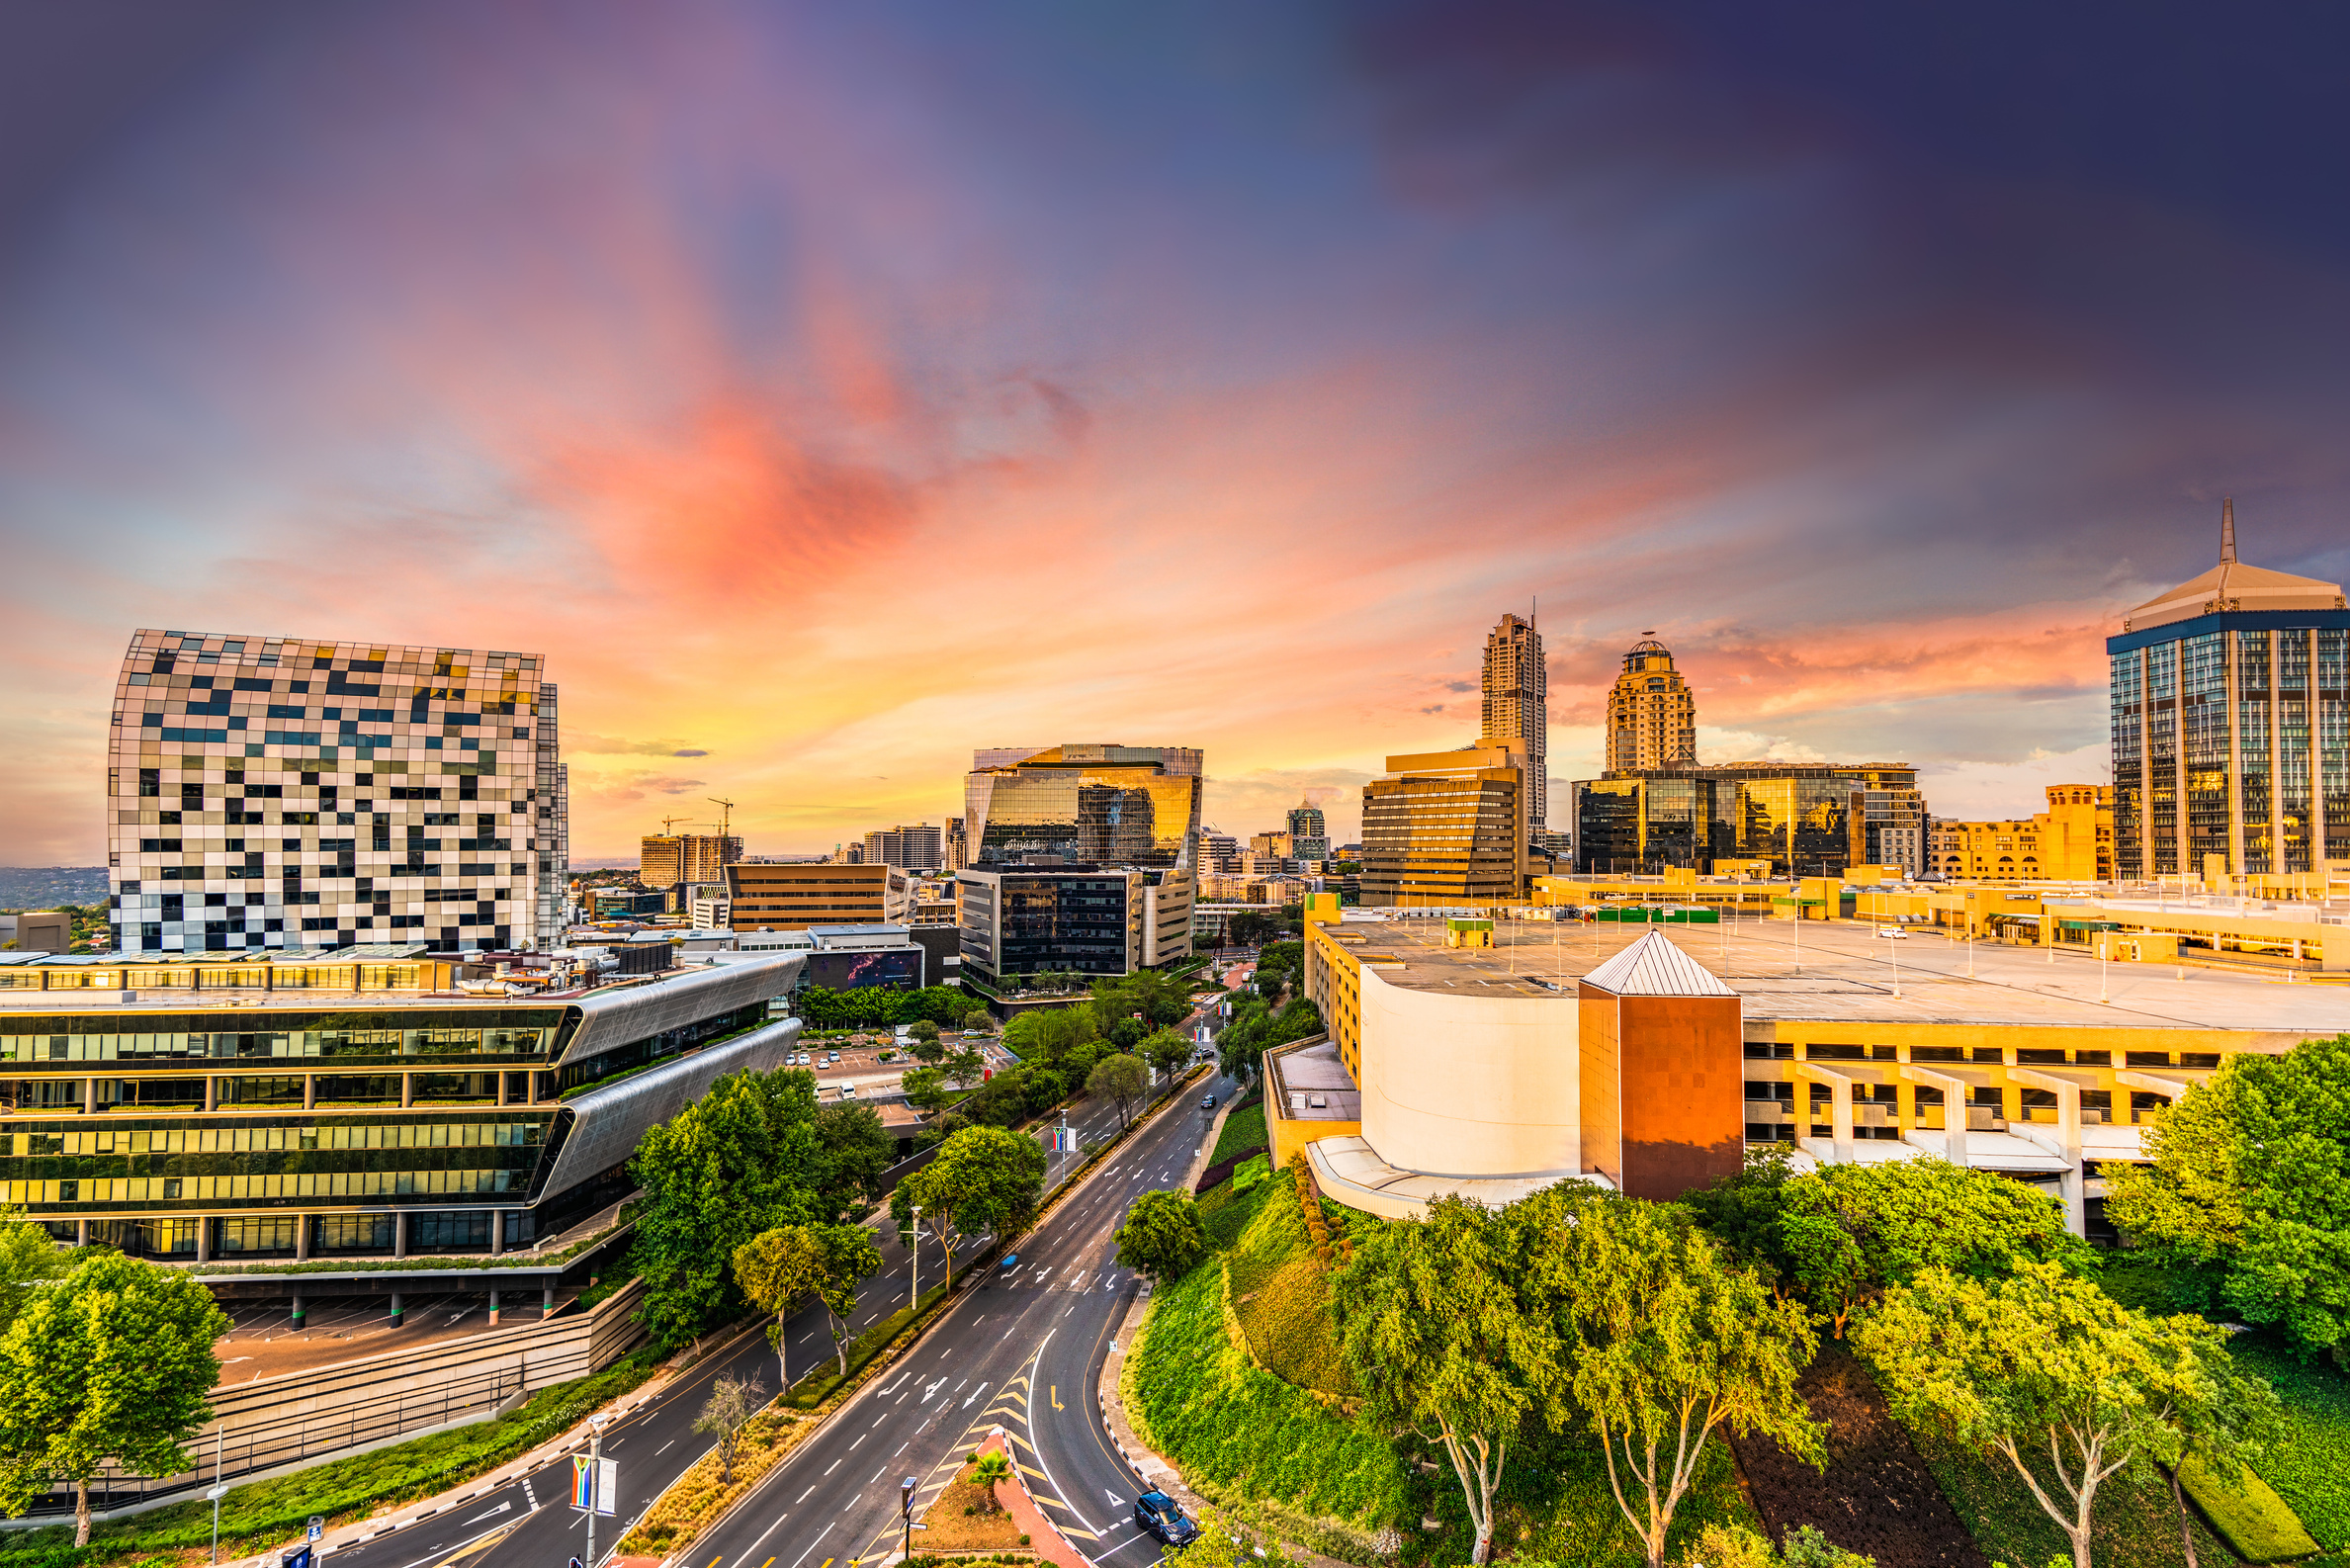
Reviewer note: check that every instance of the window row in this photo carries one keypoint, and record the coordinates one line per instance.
(280, 1137)
(248, 1189)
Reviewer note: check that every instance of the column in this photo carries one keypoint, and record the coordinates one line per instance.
(302, 1238)
(407, 1090)
(309, 1091)
(297, 1317)
(494, 1309)
(396, 1309)
(400, 1235)
(203, 1238)
(1840, 1107)
(211, 1088)
(497, 1230)
(547, 1298)
(89, 1097)
(1954, 1109)
(81, 1233)
(501, 1087)
(2066, 1145)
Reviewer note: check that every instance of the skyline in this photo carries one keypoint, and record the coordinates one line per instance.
(831, 394)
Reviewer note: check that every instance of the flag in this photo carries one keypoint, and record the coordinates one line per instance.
(583, 1483)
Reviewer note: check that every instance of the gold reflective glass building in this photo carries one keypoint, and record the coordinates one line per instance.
(1447, 829)
(1099, 804)
(1804, 819)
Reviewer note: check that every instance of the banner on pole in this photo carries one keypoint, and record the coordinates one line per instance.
(583, 1483)
(607, 1487)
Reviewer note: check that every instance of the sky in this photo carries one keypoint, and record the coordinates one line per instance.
(830, 390)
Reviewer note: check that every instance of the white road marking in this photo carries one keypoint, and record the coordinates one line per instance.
(506, 1506)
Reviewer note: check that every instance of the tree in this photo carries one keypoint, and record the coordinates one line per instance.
(1167, 1051)
(922, 1030)
(926, 1089)
(1161, 1236)
(1431, 1324)
(743, 1159)
(732, 1403)
(857, 1153)
(1249, 927)
(1049, 1034)
(1848, 1231)
(2044, 1360)
(1123, 1081)
(776, 1269)
(1667, 1339)
(111, 1362)
(978, 1020)
(29, 1258)
(983, 1178)
(1742, 1212)
(988, 1471)
(2218, 1434)
(2250, 1187)
(1736, 1546)
(850, 1259)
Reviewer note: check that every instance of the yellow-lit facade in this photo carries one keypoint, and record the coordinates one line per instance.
(1446, 829)
(1652, 716)
(2071, 842)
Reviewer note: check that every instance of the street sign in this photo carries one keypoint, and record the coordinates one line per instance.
(318, 1526)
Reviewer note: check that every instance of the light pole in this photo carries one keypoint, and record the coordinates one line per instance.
(1897, 963)
(913, 1248)
(596, 1479)
(906, 1512)
(216, 1494)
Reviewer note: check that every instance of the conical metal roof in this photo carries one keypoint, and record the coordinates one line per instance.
(1654, 967)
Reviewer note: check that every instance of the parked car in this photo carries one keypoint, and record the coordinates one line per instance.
(1156, 1514)
(849, 1092)
(1893, 931)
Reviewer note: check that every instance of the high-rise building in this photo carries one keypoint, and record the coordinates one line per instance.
(273, 792)
(1652, 719)
(1095, 803)
(1309, 835)
(915, 848)
(1219, 853)
(1082, 919)
(2231, 704)
(2071, 842)
(1515, 706)
(781, 897)
(664, 860)
(1806, 819)
(954, 853)
(1447, 829)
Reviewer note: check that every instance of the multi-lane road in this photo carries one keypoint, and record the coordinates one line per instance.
(1021, 1351)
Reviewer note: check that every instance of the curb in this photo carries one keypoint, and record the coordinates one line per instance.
(1044, 1537)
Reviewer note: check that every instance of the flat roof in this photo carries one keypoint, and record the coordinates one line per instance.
(1837, 971)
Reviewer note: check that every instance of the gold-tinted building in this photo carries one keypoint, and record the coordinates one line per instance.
(1515, 706)
(1096, 803)
(2071, 842)
(1652, 718)
(664, 860)
(1802, 819)
(1447, 829)
(793, 896)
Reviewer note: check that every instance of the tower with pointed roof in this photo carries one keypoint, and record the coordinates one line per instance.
(1652, 717)
(2230, 719)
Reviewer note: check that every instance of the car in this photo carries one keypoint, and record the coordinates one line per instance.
(1010, 1262)
(833, 1055)
(1893, 931)
(1208, 1103)
(849, 1092)
(1156, 1514)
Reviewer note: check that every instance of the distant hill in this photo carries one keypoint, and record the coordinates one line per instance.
(47, 887)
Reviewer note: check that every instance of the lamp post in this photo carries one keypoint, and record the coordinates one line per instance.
(596, 1479)
(1896, 964)
(216, 1494)
(913, 1248)
(906, 1511)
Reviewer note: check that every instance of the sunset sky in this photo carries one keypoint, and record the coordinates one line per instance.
(830, 390)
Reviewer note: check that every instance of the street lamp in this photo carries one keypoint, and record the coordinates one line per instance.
(216, 1494)
(596, 1478)
(913, 1248)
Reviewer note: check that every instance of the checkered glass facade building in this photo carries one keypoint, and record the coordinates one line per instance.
(287, 793)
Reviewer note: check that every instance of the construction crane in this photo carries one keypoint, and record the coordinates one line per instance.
(670, 824)
(726, 815)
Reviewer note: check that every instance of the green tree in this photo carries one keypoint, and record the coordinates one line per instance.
(983, 1178)
(111, 1362)
(2044, 1363)
(743, 1159)
(1742, 1211)
(774, 1270)
(978, 1020)
(1848, 1231)
(1123, 1081)
(927, 1089)
(1049, 1034)
(1161, 1236)
(1432, 1325)
(850, 1259)
(857, 1152)
(988, 1471)
(2250, 1185)
(29, 1258)
(1167, 1051)
(1668, 1339)
(1736, 1546)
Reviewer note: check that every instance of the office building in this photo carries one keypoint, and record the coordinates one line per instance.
(915, 848)
(953, 853)
(1652, 717)
(1515, 708)
(293, 793)
(1309, 835)
(1447, 829)
(1104, 921)
(1090, 803)
(666, 860)
(1798, 819)
(1219, 853)
(38, 932)
(2231, 713)
(269, 1105)
(786, 897)
(2071, 842)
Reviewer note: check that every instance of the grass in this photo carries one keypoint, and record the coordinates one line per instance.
(699, 1495)
(965, 1518)
(263, 1513)
(1281, 1297)
(1243, 1130)
(2309, 1465)
(2135, 1522)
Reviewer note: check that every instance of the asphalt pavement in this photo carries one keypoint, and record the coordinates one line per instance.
(1023, 1351)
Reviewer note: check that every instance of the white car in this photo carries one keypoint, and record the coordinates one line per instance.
(1894, 932)
(849, 1092)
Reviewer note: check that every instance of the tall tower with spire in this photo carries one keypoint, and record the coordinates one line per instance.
(1517, 707)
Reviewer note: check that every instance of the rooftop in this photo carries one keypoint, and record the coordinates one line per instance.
(1836, 971)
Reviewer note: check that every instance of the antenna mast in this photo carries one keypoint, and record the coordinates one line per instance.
(2226, 530)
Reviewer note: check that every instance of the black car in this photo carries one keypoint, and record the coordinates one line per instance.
(1156, 1514)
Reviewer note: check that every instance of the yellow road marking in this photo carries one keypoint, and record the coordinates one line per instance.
(477, 1547)
(1072, 1530)
(1057, 1405)
(714, 1561)
(1014, 1394)
(1039, 1474)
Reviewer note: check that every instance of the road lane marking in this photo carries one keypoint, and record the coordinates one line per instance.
(805, 1496)
(975, 1393)
(506, 1506)
(830, 1468)
(665, 1448)
(811, 1545)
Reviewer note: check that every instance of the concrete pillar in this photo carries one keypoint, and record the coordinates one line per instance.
(1840, 1107)
(302, 1238)
(297, 1317)
(89, 1097)
(547, 1299)
(1954, 1109)
(81, 1233)
(211, 1091)
(400, 1236)
(407, 1090)
(2066, 1145)
(502, 1088)
(494, 1309)
(396, 1309)
(309, 1091)
(497, 1230)
(203, 1238)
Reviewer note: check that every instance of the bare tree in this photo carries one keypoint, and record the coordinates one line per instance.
(732, 1402)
